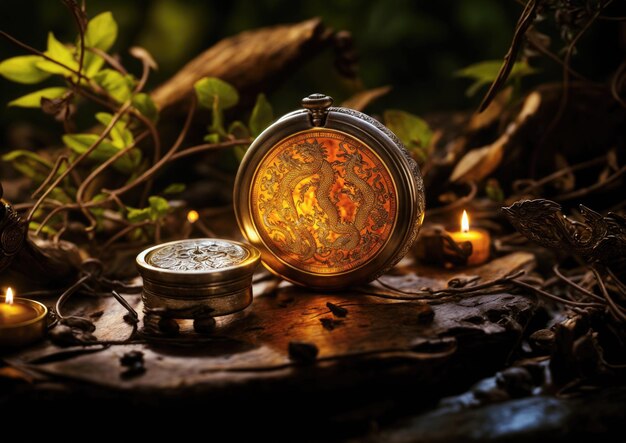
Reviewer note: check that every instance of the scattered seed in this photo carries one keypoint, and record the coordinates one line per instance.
(302, 352)
(328, 323)
(337, 311)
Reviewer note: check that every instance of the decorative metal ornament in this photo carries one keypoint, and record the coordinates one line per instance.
(329, 196)
(197, 278)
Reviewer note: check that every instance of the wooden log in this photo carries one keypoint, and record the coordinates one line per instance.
(249, 60)
(401, 353)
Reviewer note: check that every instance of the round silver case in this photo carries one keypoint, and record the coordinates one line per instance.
(188, 279)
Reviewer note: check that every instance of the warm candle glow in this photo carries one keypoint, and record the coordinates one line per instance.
(479, 239)
(193, 216)
(465, 222)
(9, 296)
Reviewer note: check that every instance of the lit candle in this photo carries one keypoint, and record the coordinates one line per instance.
(479, 239)
(13, 311)
(22, 321)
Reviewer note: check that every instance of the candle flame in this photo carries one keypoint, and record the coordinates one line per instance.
(465, 222)
(193, 216)
(9, 296)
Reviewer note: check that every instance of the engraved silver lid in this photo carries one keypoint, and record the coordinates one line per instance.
(187, 274)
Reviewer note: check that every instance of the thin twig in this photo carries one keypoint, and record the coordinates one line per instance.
(569, 282)
(41, 54)
(109, 59)
(526, 19)
(80, 158)
(53, 172)
(555, 297)
(103, 166)
(534, 184)
(616, 310)
(150, 172)
(125, 231)
(589, 189)
(566, 83)
(211, 146)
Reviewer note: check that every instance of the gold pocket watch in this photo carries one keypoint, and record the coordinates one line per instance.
(329, 196)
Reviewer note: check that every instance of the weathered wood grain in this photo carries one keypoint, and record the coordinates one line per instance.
(383, 355)
(249, 60)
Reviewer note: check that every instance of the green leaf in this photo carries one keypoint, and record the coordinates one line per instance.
(33, 100)
(484, 73)
(33, 226)
(212, 91)
(410, 129)
(101, 31)
(262, 115)
(92, 64)
(120, 136)
(23, 69)
(80, 143)
(175, 188)
(117, 85)
(61, 53)
(238, 130)
(212, 138)
(146, 106)
(494, 191)
(135, 215)
(159, 206)
(29, 164)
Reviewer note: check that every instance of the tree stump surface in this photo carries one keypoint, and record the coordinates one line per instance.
(380, 348)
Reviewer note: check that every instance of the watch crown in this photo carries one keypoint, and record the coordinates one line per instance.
(317, 105)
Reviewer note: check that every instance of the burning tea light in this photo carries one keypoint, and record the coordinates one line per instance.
(22, 321)
(479, 239)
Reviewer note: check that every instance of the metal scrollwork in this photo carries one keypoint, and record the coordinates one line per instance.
(12, 233)
(200, 255)
(598, 238)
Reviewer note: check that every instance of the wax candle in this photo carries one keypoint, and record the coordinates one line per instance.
(22, 321)
(479, 238)
(13, 312)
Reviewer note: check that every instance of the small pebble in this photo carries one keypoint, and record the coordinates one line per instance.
(337, 310)
(302, 352)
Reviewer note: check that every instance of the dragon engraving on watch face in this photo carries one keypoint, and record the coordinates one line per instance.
(323, 201)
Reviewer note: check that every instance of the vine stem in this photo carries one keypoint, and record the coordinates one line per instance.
(150, 172)
(41, 54)
(80, 158)
(111, 160)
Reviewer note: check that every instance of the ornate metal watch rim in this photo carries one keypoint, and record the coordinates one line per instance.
(386, 145)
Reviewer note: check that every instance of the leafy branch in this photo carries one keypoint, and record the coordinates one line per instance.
(69, 189)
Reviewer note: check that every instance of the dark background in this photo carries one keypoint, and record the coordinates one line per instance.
(436, 37)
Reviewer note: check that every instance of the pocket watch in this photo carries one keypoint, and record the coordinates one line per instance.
(329, 196)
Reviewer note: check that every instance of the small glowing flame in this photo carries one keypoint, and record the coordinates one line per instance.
(9, 296)
(464, 222)
(193, 216)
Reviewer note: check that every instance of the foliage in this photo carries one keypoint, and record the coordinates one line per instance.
(485, 72)
(82, 72)
(413, 131)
